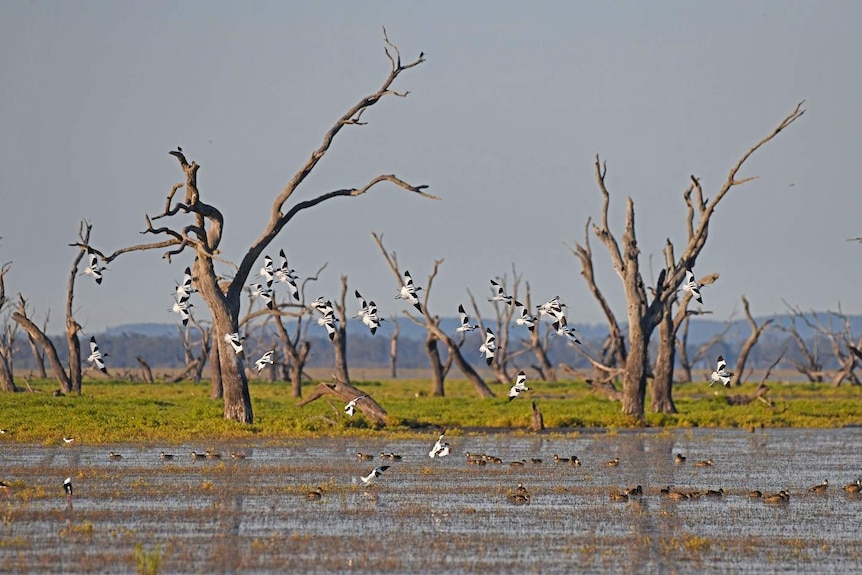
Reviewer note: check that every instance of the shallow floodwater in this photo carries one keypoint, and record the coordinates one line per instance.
(442, 515)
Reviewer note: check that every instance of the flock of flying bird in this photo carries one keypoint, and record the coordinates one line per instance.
(553, 309)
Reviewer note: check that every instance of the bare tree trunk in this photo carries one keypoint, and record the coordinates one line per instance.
(7, 340)
(296, 368)
(216, 387)
(539, 345)
(72, 326)
(750, 342)
(32, 329)
(145, 370)
(38, 355)
(661, 386)
(438, 375)
(393, 349)
(340, 340)
(682, 350)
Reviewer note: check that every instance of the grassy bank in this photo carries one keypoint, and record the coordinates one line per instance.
(122, 411)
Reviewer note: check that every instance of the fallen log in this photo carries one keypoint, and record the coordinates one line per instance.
(346, 393)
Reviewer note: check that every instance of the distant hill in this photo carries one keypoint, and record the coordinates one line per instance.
(700, 330)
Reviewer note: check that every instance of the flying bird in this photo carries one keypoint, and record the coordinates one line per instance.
(441, 448)
(524, 318)
(181, 307)
(350, 408)
(691, 286)
(264, 360)
(96, 356)
(562, 329)
(408, 292)
(185, 289)
(552, 307)
(286, 275)
(94, 269)
(328, 321)
(265, 293)
(235, 342)
(489, 348)
(519, 387)
(322, 305)
(465, 321)
(499, 293)
(721, 374)
(267, 271)
(375, 473)
(368, 313)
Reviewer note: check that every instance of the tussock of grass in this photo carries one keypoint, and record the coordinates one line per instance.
(110, 412)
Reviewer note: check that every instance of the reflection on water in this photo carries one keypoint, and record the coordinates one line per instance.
(439, 515)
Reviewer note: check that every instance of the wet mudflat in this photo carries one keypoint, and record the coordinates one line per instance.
(438, 516)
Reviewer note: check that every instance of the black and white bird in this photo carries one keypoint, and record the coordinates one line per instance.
(323, 305)
(94, 268)
(264, 360)
(499, 293)
(408, 292)
(350, 408)
(67, 487)
(286, 275)
(68, 440)
(524, 318)
(265, 293)
(235, 342)
(185, 289)
(441, 448)
(691, 286)
(183, 308)
(328, 322)
(96, 356)
(721, 374)
(489, 348)
(363, 305)
(465, 321)
(371, 320)
(563, 329)
(375, 473)
(552, 307)
(267, 271)
(519, 387)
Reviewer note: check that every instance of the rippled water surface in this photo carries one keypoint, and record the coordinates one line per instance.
(442, 515)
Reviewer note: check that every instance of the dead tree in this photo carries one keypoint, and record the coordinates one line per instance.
(431, 324)
(538, 343)
(71, 381)
(686, 363)
(393, 348)
(845, 350)
(37, 351)
(661, 385)
(750, 342)
(203, 234)
(195, 359)
(646, 308)
(146, 372)
(812, 365)
(339, 342)
(7, 337)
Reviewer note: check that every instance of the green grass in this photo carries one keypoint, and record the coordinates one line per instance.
(110, 412)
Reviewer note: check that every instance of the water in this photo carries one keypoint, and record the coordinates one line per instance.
(439, 516)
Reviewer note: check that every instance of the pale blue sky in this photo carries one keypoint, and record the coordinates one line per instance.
(503, 123)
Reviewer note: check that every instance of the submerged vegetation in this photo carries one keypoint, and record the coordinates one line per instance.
(120, 411)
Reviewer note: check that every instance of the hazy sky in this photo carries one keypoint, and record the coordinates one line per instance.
(503, 122)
